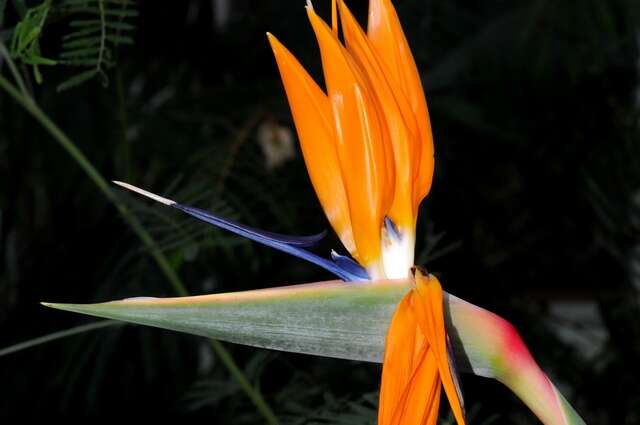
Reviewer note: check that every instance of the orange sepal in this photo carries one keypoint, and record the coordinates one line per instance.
(401, 123)
(361, 142)
(314, 123)
(388, 39)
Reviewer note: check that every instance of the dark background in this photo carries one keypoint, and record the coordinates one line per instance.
(534, 212)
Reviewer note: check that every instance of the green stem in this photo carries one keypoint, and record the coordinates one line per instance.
(14, 70)
(31, 107)
(57, 335)
(122, 115)
(244, 383)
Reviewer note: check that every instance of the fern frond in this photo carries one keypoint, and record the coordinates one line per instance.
(98, 28)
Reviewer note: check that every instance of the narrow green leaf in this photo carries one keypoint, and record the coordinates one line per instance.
(38, 60)
(80, 62)
(119, 39)
(122, 13)
(81, 33)
(77, 2)
(121, 26)
(76, 80)
(85, 23)
(83, 42)
(57, 335)
(88, 51)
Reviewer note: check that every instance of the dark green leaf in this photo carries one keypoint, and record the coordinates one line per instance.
(76, 80)
(120, 39)
(88, 51)
(81, 33)
(83, 42)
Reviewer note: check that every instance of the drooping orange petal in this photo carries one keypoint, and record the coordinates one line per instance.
(429, 312)
(361, 142)
(386, 35)
(401, 122)
(313, 118)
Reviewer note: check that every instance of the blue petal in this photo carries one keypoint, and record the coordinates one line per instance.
(257, 235)
(350, 266)
(279, 242)
(392, 229)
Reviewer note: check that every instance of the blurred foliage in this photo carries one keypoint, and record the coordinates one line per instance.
(535, 111)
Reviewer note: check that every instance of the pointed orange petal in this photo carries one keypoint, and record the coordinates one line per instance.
(428, 308)
(386, 35)
(334, 17)
(361, 136)
(398, 115)
(313, 118)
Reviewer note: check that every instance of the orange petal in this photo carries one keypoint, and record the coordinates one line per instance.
(386, 36)
(428, 308)
(313, 118)
(397, 112)
(361, 141)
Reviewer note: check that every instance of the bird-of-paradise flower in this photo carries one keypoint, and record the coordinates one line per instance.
(368, 148)
(367, 144)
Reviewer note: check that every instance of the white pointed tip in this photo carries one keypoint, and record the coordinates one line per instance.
(143, 192)
(309, 5)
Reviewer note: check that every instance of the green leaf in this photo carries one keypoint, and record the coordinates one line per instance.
(82, 42)
(81, 33)
(85, 23)
(57, 335)
(331, 319)
(121, 26)
(76, 80)
(119, 39)
(39, 61)
(88, 51)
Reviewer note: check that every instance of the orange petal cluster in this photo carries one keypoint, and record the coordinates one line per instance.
(367, 140)
(416, 363)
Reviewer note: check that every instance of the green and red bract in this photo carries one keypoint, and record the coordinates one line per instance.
(347, 321)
